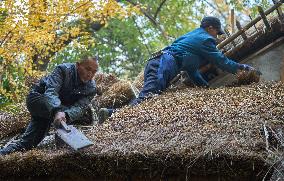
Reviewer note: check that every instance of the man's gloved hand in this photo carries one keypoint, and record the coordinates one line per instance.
(246, 67)
(59, 116)
(249, 68)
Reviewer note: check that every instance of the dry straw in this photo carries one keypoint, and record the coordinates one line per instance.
(11, 123)
(118, 95)
(104, 81)
(223, 131)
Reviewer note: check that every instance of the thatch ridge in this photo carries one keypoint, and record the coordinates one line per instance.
(88, 164)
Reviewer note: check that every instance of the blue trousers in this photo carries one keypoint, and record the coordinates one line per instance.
(157, 76)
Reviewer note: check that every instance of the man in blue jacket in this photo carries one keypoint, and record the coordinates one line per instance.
(61, 96)
(187, 53)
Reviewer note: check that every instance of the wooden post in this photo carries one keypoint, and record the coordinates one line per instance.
(228, 35)
(264, 18)
(233, 20)
(250, 24)
(254, 24)
(280, 14)
(279, 11)
(239, 26)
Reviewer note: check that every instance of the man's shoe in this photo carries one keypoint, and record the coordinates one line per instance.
(11, 148)
(104, 114)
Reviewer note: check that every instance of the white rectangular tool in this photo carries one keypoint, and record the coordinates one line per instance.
(72, 136)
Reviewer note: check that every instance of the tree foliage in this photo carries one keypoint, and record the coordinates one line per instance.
(33, 31)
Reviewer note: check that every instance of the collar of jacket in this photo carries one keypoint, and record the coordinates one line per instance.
(202, 29)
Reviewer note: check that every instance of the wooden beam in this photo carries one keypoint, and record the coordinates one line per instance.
(247, 41)
(239, 26)
(250, 24)
(264, 18)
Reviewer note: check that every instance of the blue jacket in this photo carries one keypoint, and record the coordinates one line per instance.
(64, 90)
(198, 48)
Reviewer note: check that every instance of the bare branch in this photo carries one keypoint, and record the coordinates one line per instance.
(152, 20)
(141, 35)
(159, 8)
(216, 8)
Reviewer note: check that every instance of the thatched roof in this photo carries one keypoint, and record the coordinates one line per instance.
(11, 123)
(224, 131)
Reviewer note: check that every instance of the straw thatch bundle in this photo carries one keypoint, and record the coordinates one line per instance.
(246, 78)
(30, 80)
(224, 131)
(119, 94)
(104, 81)
(13, 123)
(233, 115)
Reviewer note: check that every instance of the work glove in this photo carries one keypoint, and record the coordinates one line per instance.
(249, 68)
(246, 67)
(59, 116)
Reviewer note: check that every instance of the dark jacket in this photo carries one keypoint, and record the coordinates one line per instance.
(64, 90)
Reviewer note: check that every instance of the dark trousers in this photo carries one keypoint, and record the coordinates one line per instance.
(41, 120)
(157, 76)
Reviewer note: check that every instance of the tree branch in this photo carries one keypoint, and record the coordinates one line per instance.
(141, 35)
(216, 8)
(159, 8)
(152, 20)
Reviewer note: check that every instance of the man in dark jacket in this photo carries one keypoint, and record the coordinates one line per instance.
(187, 53)
(61, 96)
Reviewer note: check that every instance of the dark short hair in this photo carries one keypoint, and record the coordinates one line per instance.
(84, 58)
(212, 21)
